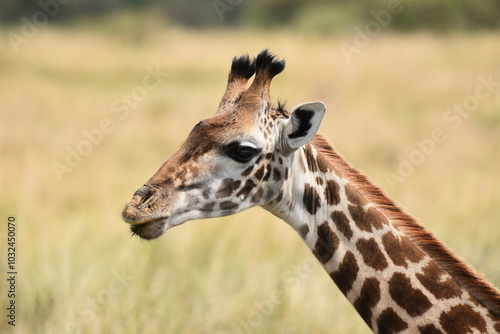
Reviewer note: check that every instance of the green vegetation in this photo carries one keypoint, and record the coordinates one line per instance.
(320, 15)
(80, 272)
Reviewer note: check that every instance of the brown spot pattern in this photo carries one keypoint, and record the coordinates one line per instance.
(304, 229)
(368, 298)
(376, 218)
(268, 173)
(372, 255)
(327, 243)
(345, 276)
(270, 193)
(366, 219)
(276, 174)
(319, 180)
(431, 280)
(359, 215)
(260, 173)
(311, 199)
(401, 251)
(332, 193)
(412, 300)
(323, 165)
(228, 205)
(249, 185)
(342, 223)
(389, 322)
(227, 187)
(208, 206)
(462, 319)
(279, 197)
(258, 195)
(311, 161)
(429, 329)
(247, 171)
(354, 197)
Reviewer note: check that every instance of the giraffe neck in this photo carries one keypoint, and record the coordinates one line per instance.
(391, 282)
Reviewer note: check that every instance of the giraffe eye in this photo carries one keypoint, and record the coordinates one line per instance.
(241, 152)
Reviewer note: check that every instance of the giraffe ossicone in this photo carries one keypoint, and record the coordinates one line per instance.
(398, 276)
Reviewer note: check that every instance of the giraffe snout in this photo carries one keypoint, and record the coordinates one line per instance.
(140, 208)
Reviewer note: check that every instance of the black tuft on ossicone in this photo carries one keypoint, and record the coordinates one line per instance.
(242, 67)
(267, 61)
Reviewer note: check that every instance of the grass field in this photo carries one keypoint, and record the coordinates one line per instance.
(78, 269)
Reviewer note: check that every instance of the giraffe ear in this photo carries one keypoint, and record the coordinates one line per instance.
(302, 126)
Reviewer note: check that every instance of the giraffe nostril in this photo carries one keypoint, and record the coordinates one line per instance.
(146, 199)
(145, 196)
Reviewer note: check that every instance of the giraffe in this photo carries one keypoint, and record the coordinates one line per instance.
(398, 276)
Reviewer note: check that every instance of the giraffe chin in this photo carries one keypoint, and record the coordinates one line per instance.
(150, 230)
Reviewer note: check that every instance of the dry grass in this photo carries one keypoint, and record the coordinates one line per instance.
(79, 270)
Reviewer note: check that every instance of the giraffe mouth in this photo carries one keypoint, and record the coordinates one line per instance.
(149, 230)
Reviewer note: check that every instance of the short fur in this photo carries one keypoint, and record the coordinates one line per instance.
(462, 273)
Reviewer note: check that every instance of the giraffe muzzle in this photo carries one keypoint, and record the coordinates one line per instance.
(142, 208)
(149, 230)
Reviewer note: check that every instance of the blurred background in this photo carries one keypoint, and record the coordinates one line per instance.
(317, 15)
(95, 96)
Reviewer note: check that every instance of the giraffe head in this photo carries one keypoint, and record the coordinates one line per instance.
(235, 160)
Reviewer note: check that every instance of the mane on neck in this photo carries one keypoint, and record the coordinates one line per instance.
(463, 274)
